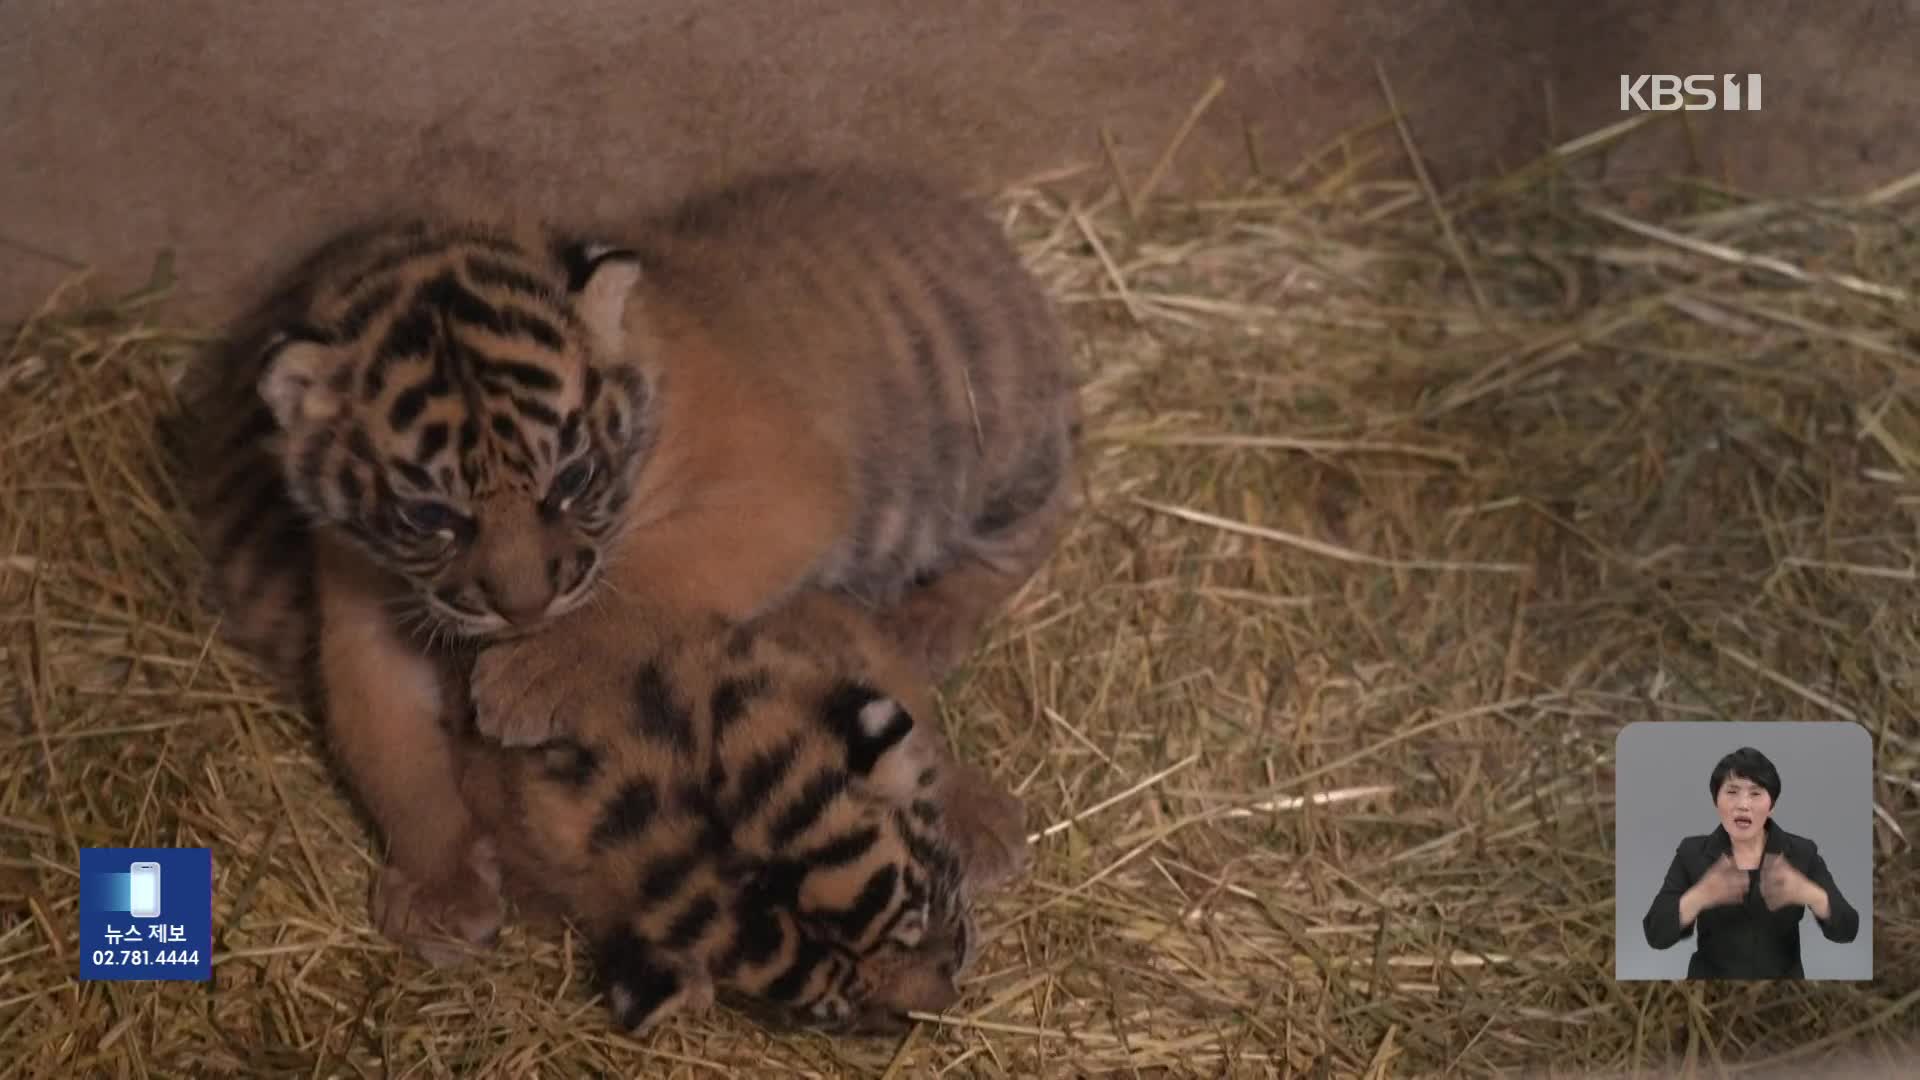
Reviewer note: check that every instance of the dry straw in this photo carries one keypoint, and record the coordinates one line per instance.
(1399, 503)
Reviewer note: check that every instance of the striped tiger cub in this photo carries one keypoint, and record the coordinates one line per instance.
(754, 811)
(854, 384)
(446, 432)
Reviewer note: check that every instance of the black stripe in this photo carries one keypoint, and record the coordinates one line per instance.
(413, 474)
(459, 302)
(533, 410)
(927, 365)
(488, 237)
(692, 922)
(716, 838)
(369, 295)
(775, 885)
(800, 815)
(361, 446)
(732, 697)
(413, 401)
(960, 317)
(658, 711)
(466, 306)
(759, 935)
(925, 852)
(690, 794)
(570, 433)
(350, 486)
(433, 439)
(874, 897)
(740, 643)
(499, 274)
(410, 334)
(664, 875)
(530, 376)
(885, 931)
(627, 814)
(762, 775)
(876, 469)
(1026, 487)
(793, 981)
(417, 245)
(452, 361)
(1001, 510)
(932, 359)
(844, 848)
(626, 962)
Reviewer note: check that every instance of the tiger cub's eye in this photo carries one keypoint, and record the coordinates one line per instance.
(429, 518)
(570, 483)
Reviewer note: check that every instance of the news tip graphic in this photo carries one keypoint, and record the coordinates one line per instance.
(146, 913)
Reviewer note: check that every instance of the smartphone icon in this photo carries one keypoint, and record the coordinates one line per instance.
(143, 892)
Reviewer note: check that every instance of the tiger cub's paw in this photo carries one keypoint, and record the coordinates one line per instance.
(447, 916)
(524, 690)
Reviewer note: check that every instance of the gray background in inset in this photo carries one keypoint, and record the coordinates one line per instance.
(1826, 795)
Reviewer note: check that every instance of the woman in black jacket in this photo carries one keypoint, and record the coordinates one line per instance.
(1745, 885)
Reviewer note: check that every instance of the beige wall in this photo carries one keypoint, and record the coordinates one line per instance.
(230, 130)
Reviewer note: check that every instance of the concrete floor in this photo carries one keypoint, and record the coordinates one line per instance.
(228, 132)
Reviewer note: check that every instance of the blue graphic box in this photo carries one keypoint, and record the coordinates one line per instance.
(146, 913)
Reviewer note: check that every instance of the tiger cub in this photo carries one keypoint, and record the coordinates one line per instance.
(443, 432)
(855, 385)
(754, 810)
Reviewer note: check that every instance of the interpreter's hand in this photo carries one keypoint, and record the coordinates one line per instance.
(1781, 884)
(1722, 884)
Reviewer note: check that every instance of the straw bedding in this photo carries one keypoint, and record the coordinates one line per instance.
(1398, 504)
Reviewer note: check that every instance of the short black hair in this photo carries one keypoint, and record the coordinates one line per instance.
(1748, 764)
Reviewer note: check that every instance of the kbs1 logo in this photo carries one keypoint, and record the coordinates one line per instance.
(1694, 93)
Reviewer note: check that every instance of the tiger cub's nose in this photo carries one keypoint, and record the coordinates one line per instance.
(520, 603)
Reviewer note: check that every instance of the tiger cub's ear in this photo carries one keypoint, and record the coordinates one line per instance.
(868, 721)
(878, 732)
(602, 278)
(296, 380)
